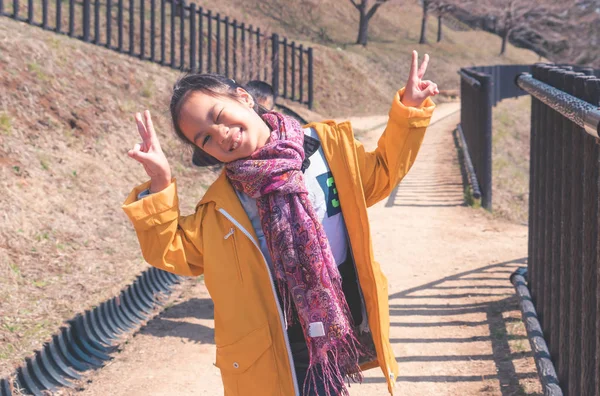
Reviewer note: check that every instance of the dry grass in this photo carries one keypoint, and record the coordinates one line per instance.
(511, 123)
(65, 126)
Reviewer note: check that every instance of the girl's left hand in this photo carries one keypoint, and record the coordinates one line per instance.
(417, 89)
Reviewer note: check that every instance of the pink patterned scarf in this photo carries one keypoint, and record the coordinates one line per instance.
(305, 270)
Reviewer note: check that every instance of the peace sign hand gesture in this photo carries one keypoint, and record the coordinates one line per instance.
(150, 155)
(417, 89)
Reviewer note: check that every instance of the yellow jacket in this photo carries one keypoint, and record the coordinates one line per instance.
(218, 241)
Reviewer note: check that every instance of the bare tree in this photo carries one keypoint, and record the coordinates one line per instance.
(425, 4)
(515, 13)
(366, 8)
(438, 8)
(439, 35)
(441, 8)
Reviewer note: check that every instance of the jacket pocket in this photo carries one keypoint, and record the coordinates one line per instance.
(235, 252)
(248, 366)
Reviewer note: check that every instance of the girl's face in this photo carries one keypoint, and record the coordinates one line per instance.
(225, 128)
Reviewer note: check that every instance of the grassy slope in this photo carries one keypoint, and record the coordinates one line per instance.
(511, 124)
(66, 124)
(65, 244)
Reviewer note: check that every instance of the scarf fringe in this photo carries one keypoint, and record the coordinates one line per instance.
(287, 303)
(339, 364)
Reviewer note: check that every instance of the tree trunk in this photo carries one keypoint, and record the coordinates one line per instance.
(505, 35)
(423, 39)
(363, 26)
(439, 38)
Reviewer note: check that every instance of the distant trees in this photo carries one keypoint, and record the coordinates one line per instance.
(546, 23)
(368, 8)
(566, 28)
(507, 15)
(538, 20)
(584, 36)
(440, 8)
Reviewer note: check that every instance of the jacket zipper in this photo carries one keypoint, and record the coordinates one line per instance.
(281, 317)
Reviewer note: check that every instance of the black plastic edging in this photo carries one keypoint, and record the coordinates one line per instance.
(469, 164)
(541, 355)
(90, 337)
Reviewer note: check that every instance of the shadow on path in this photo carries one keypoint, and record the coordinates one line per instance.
(463, 350)
(427, 185)
(181, 320)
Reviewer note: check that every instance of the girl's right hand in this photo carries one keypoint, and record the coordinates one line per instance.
(150, 155)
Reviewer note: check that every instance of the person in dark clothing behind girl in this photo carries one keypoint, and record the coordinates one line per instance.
(262, 93)
(300, 304)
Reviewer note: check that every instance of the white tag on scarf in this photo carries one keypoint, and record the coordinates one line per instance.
(316, 329)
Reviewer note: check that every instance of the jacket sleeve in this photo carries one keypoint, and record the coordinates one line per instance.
(382, 169)
(168, 241)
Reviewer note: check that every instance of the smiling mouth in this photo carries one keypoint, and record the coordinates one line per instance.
(236, 141)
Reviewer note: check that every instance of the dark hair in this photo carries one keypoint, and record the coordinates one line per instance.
(210, 84)
(260, 90)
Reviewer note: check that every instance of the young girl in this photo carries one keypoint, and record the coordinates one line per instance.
(282, 236)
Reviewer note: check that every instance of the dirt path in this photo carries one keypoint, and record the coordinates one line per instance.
(455, 326)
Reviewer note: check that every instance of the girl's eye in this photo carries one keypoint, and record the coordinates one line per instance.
(219, 115)
(205, 140)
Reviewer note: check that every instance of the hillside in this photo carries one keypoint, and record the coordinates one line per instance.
(66, 111)
(66, 122)
(353, 80)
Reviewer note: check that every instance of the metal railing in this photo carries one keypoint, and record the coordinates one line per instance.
(564, 252)
(178, 35)
(482, 87)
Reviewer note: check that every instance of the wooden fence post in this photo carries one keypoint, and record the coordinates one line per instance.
(182, 7)
(131, 27)
(310, 79)
(86, 21)
(275, 63)
(142, 29)
(192, 36)
(209, 43)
